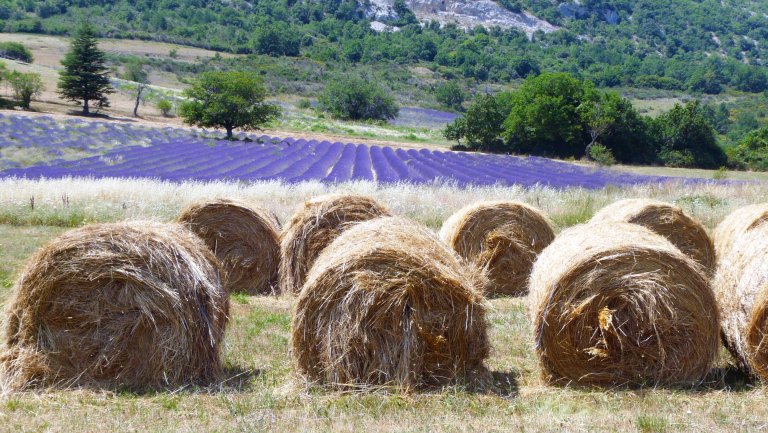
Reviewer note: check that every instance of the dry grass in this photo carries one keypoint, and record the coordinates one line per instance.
(260, 396)
(313, 227)
(614, 304)
(135, 305)
(501, 237)
(667, 220)
(243, 237)
(388, 304)
(741, 285)
(737, 223)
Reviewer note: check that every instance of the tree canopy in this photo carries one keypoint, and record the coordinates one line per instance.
(85, 75)
(357, 98)
(228, 100)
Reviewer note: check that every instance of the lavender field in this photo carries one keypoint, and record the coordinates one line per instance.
(76, 148)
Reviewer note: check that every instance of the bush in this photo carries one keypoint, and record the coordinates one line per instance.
(165, 106)
(601, 155)
(355, 98)
(25, 87)
(450, 95)
(15, 51)
(304, 103)
(752, 151)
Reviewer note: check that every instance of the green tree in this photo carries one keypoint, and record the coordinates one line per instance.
(25, 87)
(134, 71)
(450, 95)
(686, 139)
(355, 98)
(752, 151)
(544, 117)
(228, 100)
(480, 127)
(84, 77)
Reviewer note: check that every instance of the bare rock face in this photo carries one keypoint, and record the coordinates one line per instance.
(464, 13)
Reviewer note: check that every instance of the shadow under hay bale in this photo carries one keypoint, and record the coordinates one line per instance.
(664, 219)
(614, 304)
(320, 221)
(130, 305)
(244, 238)
(737, 223)
(388, 304)
(741, 285)
(502, 237)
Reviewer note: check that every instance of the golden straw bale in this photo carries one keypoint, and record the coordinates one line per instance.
(737, 223)
(741, 285)
(614, 304)
(687, 234)
(245, 239)
(502, 237)
(388, 304)
(311, 229)
(129, 305)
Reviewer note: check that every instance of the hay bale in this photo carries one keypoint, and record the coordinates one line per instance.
(502, 237)
(614, 304)
(389, 304)
(737, 223)
(244, 238)
(687, 234)
(311, 229)
(130, 305)
(741, 286)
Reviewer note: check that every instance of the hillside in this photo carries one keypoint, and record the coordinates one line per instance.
(693, 46)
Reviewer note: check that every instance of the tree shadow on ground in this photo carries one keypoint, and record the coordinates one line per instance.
(237, 379)
(501, 383)
(728, 378)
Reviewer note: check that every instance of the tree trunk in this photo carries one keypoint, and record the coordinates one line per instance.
(589, 149)
(85, 107)
(229, 133)
(138, 99)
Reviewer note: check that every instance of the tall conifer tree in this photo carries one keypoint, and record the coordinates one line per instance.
(84, 77)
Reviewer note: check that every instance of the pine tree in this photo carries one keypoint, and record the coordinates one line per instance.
(84, 76)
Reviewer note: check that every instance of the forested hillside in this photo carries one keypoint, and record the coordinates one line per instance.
(697, 46)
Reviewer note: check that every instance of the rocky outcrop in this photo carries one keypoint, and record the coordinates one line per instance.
(464, 13)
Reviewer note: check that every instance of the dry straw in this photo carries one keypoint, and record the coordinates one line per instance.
(667, 220)
(614, 304)
(128, 305)
(388, 304)
(502, 237)
(737, 223)
(244, 238)
(320, 221)
(741, 285)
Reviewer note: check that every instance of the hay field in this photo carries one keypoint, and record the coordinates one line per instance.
(263, 393)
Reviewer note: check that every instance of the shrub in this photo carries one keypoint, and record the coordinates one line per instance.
(355, 98)
(15, 51)
(601, 154)
(25, 87)
(450, 95)
(752, 151)
(165, 106)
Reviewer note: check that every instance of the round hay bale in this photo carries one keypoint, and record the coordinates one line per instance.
(130, 305)
(737, 223)
(741, 286)
(502, 237)
(614, 304)
(244, 238)
(311, 229)
(687, 234)
(389, 304)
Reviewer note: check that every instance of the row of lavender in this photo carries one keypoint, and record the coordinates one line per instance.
(175, 154)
